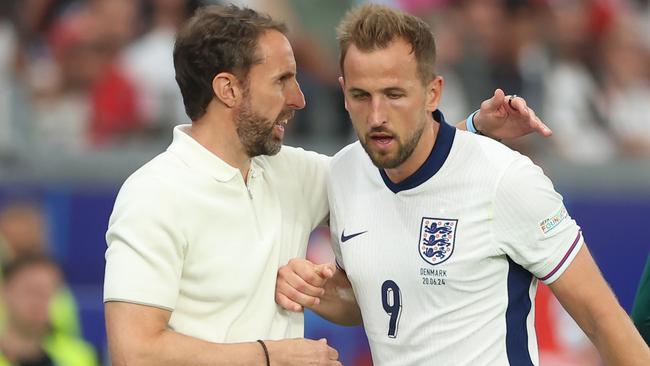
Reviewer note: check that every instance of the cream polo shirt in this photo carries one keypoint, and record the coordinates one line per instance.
(187, 235)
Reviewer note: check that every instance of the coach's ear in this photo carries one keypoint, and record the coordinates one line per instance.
(227, 89)
(345, 97)
(434, 93)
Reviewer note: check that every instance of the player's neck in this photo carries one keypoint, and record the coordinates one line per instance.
(418, 157)
(217, 133)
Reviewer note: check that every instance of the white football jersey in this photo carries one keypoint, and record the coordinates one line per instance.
(445, 264)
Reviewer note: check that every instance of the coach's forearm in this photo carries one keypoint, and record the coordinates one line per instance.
(171, 348)
(138, 335)
(339, 304)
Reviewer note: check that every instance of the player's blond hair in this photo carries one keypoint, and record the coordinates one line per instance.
(370, 27)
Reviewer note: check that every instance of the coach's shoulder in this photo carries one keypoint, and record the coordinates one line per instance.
(294, 159)
(153, 178)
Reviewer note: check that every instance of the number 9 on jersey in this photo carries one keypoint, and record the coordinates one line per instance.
(391, 299)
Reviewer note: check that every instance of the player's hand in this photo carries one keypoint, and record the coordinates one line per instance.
(504, 117)
(300, 351)
(301, 283)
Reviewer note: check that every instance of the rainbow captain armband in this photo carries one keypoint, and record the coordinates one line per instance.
(469, 123)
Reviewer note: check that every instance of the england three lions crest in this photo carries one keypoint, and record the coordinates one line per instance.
(437, 238)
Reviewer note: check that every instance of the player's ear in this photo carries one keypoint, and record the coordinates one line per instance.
(342, 84)
(227, 89)
(434, 93)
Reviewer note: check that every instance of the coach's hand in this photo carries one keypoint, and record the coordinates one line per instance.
(508, 116)
(300, 351)
(301, 283)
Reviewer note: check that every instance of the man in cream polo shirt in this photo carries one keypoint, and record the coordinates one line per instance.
(239, 233)
(198, 233)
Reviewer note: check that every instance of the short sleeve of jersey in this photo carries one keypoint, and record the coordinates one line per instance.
(531, 224)
(145, 247)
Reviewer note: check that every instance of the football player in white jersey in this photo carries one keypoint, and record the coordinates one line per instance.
(440, 235)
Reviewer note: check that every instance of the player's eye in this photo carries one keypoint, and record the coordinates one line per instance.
(360, 96)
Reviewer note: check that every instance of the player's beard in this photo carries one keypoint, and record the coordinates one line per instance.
(404, 149)
(256, 132)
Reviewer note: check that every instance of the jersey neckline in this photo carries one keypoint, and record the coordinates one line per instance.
(434, 162)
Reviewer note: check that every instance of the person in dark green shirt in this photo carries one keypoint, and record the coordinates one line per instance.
(641, 310)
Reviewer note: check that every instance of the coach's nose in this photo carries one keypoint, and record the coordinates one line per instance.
(295, 97)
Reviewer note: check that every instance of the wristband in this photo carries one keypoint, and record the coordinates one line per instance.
(469, 123)
(266, 352)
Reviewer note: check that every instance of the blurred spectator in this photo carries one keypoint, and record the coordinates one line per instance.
(113, 97)
(23, 233)
(30, 283)
(81, 99)
(38, 72)
(487, 58)
(642, 7)
(447, 28)
(148, 61)
(501, 48)
(626, 85)
(571, 92)
(8, 44)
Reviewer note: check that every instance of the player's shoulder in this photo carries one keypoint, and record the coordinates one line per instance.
(488, 154)
(510, 169)
(350, 155)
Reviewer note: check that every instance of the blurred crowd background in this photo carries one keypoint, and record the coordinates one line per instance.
(87, 95)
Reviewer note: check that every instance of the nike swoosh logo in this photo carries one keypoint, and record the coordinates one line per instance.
(345, 238)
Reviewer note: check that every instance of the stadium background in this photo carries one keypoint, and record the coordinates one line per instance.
(87, 95)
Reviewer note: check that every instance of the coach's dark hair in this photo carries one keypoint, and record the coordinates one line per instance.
(217, 39)
(371, 27)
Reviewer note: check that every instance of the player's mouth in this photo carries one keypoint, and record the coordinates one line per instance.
(382, 140)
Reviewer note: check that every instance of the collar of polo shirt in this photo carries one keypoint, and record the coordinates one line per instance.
(198, 157)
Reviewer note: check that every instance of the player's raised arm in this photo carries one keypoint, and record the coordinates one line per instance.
(584, 293)
(139, 335)
(323, 288)
(503, 117)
